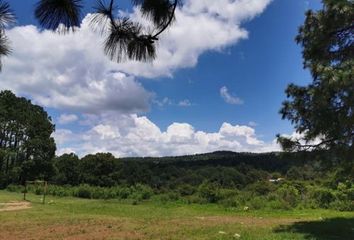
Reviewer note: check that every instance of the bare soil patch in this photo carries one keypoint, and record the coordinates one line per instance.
(126, 228)
(14, 206)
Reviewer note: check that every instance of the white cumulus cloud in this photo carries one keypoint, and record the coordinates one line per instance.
(71, 71)
(131, 135)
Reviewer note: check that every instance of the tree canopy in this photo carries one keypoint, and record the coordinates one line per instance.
(124, 37)
(26, 145)
(322, 112)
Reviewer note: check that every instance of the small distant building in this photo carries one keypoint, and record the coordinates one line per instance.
(276, 180)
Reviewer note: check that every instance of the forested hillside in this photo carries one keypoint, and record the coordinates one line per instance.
(265, 180)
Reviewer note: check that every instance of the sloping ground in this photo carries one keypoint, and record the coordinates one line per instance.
(14, 206)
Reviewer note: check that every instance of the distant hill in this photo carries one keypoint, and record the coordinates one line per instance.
(271, 161)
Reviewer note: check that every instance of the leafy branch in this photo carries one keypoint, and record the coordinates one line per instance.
(124, 38)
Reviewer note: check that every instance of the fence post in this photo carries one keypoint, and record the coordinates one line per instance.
(45, 191)
(25, 191)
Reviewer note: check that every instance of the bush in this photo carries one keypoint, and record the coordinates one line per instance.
(60, 191)
(279, 204)
(289, 194)
(230, 202)
(196, 198)
(14, 188)
(83, 191)
(38, 190)
(168, 197)
(142, 191)
(124, 192)
(186, 190)
(209, 191)
(295, 173)
(257, 203)
(323, 197)
(111, 193)
(97, 192)
(261, 188)
(350, 193)
(342, 205)
(228, 193)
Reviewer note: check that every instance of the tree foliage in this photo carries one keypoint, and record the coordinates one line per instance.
(26, 145)
(124, 38)
(322, 112)
(6, 18)
(99, 169)
(232, 180)
(66, 169)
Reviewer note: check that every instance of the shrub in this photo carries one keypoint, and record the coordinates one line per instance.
(164, 198)
(83, 191)
(196, 198)
(278, 204)
(14, 188)
(342, 205)
(38, 190)
(209, 191)
(228, 193)
(167, 197)
(60, 191)
(110, 193)
(289, 194)
(136, 197)
(230, 202)
(261, 188)
(295, 173)
(257, 203)
(186, 190)
(97, 192)
(144, 191)
(124, 192)
(323, 197)
(350, 193)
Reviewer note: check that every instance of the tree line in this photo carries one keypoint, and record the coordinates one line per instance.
(232, 180)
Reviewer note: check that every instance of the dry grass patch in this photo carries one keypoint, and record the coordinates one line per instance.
(14, 206)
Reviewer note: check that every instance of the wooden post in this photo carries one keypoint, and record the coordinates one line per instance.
(24, 192)
(45, 191)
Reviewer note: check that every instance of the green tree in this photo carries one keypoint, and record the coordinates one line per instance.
(323, 110)
(124, 38)
(26, 145)
(100, 169)
(67, 169)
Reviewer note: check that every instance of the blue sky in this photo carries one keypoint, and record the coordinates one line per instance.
(181, 103)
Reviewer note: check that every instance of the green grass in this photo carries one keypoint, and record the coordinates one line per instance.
(72, 218)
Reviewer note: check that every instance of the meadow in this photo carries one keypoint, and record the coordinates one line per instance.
(76, 218)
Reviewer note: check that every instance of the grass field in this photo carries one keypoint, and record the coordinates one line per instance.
(71, 218)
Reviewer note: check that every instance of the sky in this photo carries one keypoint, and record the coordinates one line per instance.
(217, 83)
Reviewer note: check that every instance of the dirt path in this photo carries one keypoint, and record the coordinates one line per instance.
(14, 206)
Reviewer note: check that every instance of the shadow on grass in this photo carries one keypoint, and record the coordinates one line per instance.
(327, 229)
